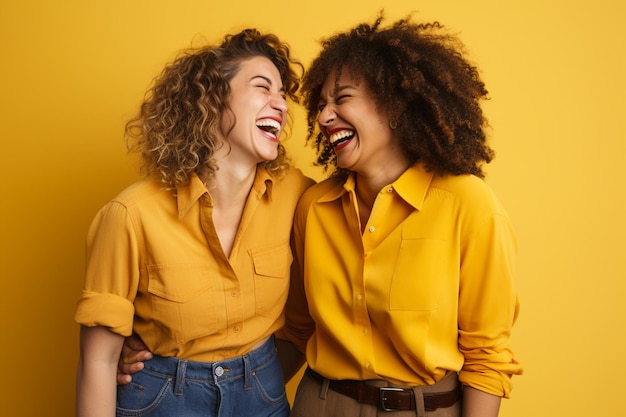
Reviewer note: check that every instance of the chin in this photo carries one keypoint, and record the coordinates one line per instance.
(270, 156)
(343, 164)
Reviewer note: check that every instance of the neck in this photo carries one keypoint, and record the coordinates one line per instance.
(231, 185)
(368, 187)
(229, 190)
(368, 184)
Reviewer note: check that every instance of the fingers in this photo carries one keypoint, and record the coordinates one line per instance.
(123, 379)
(130, 368)
(134, 352)
(132, 356)
(134, 342)
(132, 361)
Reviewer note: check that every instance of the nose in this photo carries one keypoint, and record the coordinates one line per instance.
(327, 115)
(279, 103)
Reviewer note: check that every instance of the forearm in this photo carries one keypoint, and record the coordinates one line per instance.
(96, 375)
(95, 390)
(477, 403)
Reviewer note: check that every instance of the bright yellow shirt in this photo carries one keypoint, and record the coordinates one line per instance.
(424, 291)
(155, 266)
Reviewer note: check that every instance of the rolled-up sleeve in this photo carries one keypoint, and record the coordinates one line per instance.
(488, 307)
(112, 271)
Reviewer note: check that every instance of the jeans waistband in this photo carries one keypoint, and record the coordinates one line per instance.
(212, 371)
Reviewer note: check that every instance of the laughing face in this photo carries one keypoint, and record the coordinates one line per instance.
(351, 122)
(259, 111)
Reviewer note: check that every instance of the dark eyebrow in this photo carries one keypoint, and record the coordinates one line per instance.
(267, 80)
(340, 88)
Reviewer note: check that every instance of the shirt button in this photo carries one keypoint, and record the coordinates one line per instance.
(236, 329)
(364, 331)
(234, 293)
(367, 365)
(372, 228)
(359, 296)
(219, 371)
(389, 189)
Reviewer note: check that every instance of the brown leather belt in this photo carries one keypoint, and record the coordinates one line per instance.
(388, 398)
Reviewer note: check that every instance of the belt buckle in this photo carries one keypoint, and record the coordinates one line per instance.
(383, 398)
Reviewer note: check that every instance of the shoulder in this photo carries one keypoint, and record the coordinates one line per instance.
(293, 182)
(329, 185)
(469, 192)
(295, 177)
(327, 190)
(142, 193)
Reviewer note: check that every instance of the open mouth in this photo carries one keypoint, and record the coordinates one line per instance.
(337, 139)
(270, 126)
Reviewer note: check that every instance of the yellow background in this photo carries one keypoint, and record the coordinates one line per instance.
(73, 71)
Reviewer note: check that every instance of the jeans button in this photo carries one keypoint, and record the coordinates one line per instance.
(219, 371)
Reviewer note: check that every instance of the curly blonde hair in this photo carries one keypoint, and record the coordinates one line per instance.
(176, 128)
(418, 75)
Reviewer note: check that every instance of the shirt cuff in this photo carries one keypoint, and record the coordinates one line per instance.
(107, 310)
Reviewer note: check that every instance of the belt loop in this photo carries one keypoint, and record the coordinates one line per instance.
(420, 408)
(247, 369)
(324, 388)
(181, 369)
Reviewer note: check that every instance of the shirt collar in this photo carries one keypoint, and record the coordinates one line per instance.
(190, 193)
(411, 186)
(263, 183)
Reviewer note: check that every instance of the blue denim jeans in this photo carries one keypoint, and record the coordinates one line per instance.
(249, 385)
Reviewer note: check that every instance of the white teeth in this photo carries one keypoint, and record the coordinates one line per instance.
(340, 135)
(268, 122)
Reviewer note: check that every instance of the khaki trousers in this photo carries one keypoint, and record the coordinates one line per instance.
(317, 400)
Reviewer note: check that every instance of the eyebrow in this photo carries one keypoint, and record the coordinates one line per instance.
(338, 89)
(269, 81)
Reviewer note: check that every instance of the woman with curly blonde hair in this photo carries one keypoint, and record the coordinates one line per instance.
(403, 300)
(194, 260)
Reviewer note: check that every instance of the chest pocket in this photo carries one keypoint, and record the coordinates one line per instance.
(272, 264)
(427, 267)
(415, 282)
(182, 300)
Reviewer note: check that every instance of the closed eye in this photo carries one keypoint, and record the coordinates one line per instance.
(341, 98)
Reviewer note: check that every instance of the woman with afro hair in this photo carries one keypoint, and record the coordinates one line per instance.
(402, 296)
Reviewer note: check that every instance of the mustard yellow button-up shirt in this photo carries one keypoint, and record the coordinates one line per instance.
(155, 266)
(424, 291)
